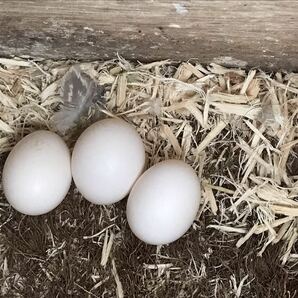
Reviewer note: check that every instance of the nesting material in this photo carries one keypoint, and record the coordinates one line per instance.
(237, 129)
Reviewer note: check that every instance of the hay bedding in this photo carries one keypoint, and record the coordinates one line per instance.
(237, 128)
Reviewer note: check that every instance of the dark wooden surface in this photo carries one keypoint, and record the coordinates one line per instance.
(260, 33)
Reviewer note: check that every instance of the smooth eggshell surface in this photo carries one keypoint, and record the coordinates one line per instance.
(107, 159)
(37, 175)
(164, 202)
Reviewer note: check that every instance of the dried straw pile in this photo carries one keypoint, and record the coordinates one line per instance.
(239, 131)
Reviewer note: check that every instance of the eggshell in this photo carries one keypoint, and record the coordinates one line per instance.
(164, 202)
(37, 175)
(107, 159)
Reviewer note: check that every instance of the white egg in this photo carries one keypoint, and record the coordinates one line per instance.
(107, 159)
(37, 174)
(164, 202)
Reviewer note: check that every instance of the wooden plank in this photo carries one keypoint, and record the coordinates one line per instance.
(260, 33)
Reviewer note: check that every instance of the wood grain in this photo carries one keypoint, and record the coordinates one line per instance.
(260, 33)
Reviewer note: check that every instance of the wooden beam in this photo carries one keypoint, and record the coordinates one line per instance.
(260, 33)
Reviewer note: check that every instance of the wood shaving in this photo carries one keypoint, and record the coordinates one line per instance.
(237, 129)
